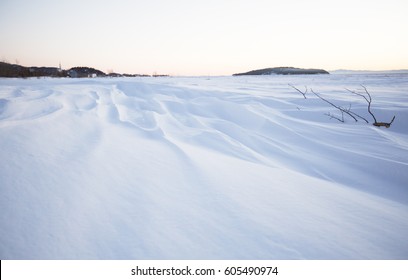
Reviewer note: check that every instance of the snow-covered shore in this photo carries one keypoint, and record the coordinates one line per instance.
(202, 168)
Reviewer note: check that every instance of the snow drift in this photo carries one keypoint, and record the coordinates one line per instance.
(198, 168)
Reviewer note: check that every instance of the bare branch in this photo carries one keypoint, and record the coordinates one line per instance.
(393, 118)
(355, 114)
(369, 103)
(369, 100)
(303, 93)
(348, 111)
(335, 117)
(335, 106)
(387, 125)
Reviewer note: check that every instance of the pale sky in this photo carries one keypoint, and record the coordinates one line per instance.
(212, 37)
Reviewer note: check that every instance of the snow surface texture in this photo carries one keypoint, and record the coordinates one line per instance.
(202, 168)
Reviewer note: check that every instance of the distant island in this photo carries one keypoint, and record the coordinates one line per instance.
(17, 71)
(283, 71)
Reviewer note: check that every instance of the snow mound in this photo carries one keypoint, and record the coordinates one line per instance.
(199, 168)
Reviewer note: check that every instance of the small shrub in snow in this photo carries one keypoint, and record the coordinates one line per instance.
(367, 97)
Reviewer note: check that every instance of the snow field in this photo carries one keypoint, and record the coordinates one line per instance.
(202, 168)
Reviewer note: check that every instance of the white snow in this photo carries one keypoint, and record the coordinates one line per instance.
(202, 168)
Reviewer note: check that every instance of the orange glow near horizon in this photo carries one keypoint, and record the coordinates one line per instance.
(210, 37)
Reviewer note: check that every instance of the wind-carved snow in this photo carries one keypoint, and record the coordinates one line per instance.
(197, 168)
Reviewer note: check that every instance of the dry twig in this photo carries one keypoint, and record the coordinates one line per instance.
(353, 115)
(367, 97)
(298, 90)
(334, 105)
